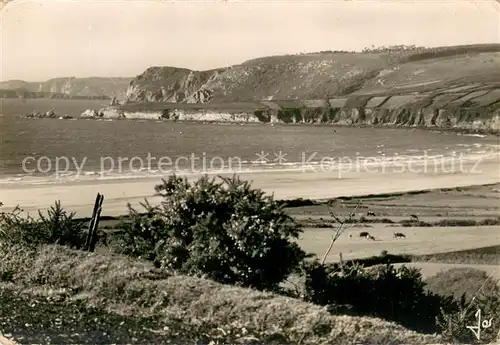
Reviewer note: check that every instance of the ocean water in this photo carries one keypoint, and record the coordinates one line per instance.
(46, 149)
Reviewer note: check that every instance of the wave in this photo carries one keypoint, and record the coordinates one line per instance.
(327, 164)
(473, 135)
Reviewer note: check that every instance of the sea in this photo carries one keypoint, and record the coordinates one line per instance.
(59, 150)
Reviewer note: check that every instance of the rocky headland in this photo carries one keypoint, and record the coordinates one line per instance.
(66, 88)
(448, 87)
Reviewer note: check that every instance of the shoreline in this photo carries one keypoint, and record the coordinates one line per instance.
(302, 202)
(458, 130)
(79, 196)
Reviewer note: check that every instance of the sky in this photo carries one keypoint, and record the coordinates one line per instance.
(107, 38)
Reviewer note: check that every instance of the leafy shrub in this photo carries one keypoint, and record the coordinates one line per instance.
(383, 291)
(57, 227)
(227, 231)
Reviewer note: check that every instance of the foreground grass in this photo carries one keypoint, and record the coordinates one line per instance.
(46, 316)
(129, 299)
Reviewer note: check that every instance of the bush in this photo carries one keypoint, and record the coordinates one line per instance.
(227, 231)
(383, 291)
(57, 227)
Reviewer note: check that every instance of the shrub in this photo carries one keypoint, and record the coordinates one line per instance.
(57, 227)
(227, 231)
(383, 291)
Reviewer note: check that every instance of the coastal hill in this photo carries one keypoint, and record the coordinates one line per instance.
(394, 70)
(71, 87)
(448, 87)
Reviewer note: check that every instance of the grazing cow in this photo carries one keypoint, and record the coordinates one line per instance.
(370, 213)
(399, 234)
(364, 234)
(414, 216)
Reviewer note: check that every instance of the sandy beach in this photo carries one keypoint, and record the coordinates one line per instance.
(79, 196)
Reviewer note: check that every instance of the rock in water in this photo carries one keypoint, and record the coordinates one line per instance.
(90, 113)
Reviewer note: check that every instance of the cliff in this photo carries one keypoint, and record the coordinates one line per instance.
(170, 84)
(72, 88)
(476, 109)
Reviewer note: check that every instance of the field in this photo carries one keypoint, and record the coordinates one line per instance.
(450, 230)
(432, 246)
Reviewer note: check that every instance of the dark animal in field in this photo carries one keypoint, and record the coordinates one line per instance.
(414, 216)
(364, 234)
(398, 234)
(370, 213)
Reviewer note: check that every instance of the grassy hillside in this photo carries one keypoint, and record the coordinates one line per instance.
(93, 87)
(77, 297)
(325, 75)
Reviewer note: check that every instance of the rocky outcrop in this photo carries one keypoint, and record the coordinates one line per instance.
(90, 113)
(47, 115)
(170, 84)
(111, 112)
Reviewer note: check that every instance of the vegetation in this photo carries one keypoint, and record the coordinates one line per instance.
(393, 294)
(458, 282)
(148, 304)
(57, 227)
(162, 277)
(227, 231)
(472, 290)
